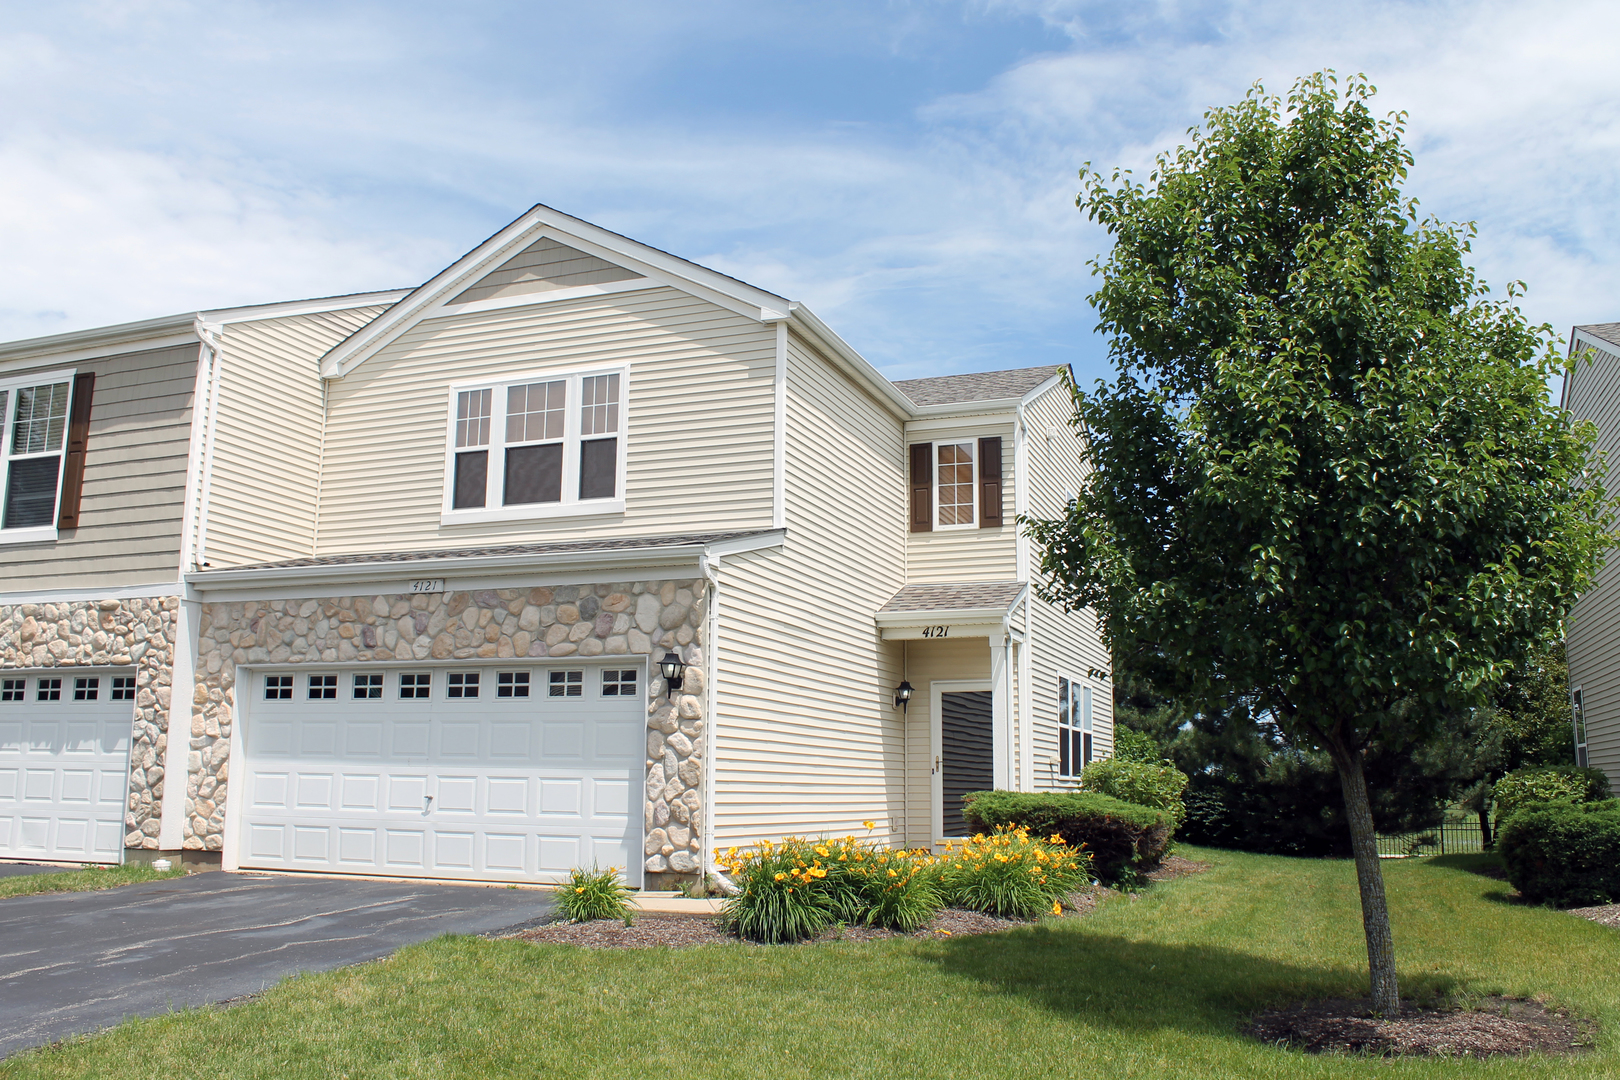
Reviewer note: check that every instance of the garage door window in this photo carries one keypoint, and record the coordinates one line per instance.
(49, 690)
(415, 685)
(123, 688)
(86, 689)
(620, 682)
(567, 683)
(278, 688)
(12, 689)
(368, 686)
(463, 684)
(512, 684)
(323, 688)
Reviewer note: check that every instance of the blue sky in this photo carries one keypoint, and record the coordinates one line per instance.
(905, 168)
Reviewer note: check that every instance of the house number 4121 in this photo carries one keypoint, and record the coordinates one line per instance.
(936, 631)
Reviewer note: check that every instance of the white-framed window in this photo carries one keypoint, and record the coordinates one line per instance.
(956, 487)
(536, 446)
(1074, 726)
(1577, 705)
(33, 443)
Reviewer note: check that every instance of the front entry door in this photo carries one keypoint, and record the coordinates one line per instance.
(967, 746)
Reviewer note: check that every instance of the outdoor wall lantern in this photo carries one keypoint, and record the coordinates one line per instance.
(902, 694)
(671, 667)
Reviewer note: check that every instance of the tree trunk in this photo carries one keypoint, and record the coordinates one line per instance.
(1370, 876)
(1484, 824)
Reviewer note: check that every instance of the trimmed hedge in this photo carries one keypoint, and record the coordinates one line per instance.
(1563, 854)
(1116, 833)
(1156, 784)
(1545, 784)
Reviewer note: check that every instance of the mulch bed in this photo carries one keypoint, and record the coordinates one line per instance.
(1494, 1027)
(655, 930)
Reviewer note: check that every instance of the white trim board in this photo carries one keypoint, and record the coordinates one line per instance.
(75, 594)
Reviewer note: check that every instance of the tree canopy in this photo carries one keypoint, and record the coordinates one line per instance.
(1327, 475)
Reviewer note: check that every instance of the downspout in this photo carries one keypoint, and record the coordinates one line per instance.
(1026, 704)
(212, 335)
(709, 564)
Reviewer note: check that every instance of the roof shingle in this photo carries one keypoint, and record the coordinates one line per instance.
(969, 596)
(977, 386)
(1608, 331)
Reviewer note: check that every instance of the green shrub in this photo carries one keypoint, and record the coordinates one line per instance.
(785, 892)
(1154, 784)
(1548, 783)
(897, 890)
(594, 894)
(1012, 874)
(1117, 834)
(1133, 745)
(1562, 853)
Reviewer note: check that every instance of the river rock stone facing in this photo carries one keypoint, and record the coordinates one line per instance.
(137, 633)
(630, 619)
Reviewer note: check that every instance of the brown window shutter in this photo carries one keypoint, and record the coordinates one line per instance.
(990, 482)
(84, 387)
(922, 487)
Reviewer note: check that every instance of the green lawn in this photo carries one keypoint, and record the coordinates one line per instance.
(1152, 987)
(88, 879)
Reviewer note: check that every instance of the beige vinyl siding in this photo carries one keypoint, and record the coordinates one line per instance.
(807, 736)
(267, 442)
(1593, 393)
(134, 479)
(1065, 644)
(543, 266)
(964, 659)
(700, 419)
(949, 555)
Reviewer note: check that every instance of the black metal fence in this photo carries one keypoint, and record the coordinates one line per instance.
(1450, 838)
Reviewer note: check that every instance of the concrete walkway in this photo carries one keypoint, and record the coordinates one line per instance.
(77, 962)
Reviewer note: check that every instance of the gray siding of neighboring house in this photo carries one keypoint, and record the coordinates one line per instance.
(134, 479)
(1592, 392)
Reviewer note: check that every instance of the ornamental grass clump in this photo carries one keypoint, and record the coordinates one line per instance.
(595, 894)
(1013, 874)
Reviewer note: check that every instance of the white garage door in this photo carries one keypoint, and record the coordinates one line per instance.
(487, 773)
(64, 759)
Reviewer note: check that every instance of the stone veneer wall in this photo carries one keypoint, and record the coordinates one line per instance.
(622, 618)
(136, 633)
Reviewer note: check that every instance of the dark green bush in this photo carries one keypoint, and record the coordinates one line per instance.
(1562, 853)
(1548, 783)
(1116, 834)
(594, 894)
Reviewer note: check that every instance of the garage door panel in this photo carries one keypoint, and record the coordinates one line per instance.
(39, 786)
(312, 843)
(479, 787)
(78, 787)
(270, 789)
(318, 739)
(8, 786)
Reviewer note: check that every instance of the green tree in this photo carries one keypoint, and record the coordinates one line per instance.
(1525, 724)
(1327, 476)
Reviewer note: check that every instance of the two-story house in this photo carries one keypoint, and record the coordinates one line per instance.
(578, 553)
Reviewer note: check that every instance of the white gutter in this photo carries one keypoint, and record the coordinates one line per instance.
(854, 364)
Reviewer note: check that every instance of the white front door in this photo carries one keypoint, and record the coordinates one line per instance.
(64, 764)
(509, 772)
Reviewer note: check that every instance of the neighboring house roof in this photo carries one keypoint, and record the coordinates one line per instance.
(1608, 331)
(978, 386)
(638, 543)
(972, 596)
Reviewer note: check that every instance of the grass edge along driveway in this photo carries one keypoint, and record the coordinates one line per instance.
(89, 879)
(1146, 987)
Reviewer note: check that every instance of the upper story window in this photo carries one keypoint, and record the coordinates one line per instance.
(44, 424)
(956, 484)
(1074, 726)
(536, 447)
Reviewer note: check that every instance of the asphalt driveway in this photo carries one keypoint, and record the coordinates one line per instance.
(78, 962)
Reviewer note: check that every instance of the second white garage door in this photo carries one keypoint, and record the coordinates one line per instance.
(485, 773)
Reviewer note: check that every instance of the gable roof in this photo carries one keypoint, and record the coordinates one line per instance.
(541, 221)
(1605, 331)
(977, 386)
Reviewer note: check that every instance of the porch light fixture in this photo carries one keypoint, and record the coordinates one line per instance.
(902, 694)
(671, 667)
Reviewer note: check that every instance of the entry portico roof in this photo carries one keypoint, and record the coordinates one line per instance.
(981, 604)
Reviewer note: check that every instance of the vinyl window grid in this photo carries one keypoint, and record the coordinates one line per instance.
(462, 684)
(86, 689)
(278, 687)
(48, 690)
(567, 684)
(368, 687)
(34, 416)
(956, 484)
(123, 688)
(577, 412)
(619, 682)
(416, 684)
(1074, 726)
(323, 688)
(13, 689)
(512, 684)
